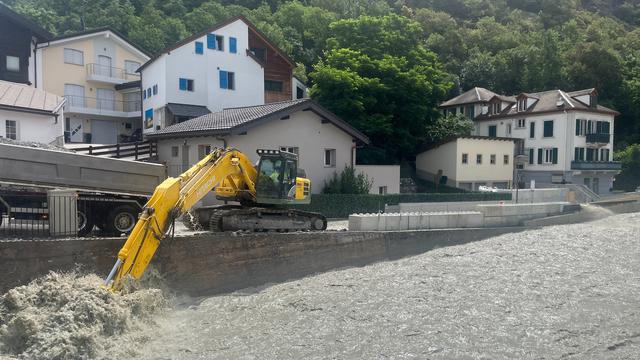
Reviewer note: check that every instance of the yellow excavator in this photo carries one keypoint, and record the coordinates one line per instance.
(260, 191)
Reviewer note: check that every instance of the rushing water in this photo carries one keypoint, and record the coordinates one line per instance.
(560, 292)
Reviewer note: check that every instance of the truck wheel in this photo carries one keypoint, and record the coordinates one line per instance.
(85, 223)
(122, 219)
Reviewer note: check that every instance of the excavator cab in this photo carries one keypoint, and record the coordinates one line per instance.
(280, 181)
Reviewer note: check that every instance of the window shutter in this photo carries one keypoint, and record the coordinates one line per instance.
(577, 126)
(211, 41)
(555, 155)
(199, 47)
(576, 155)
(532, 130)
(540, 156)
(223, 80)
(530, 156)
(233, 45)
(183, 84)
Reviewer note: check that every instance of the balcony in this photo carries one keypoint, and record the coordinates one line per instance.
(104, 107)
(598, 139)
(596, 165)
(109, 75)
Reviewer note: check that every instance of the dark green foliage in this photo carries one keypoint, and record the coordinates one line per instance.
(342, 205)
(348, 182)
(629, 178)
(449, 126)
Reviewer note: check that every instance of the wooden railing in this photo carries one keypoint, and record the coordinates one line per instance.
(142, 150)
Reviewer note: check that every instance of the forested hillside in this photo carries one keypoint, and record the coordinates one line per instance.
(384, 65)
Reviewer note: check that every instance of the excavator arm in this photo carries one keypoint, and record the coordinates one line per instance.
(172, 198)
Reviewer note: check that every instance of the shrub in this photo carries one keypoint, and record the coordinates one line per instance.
(348, 183)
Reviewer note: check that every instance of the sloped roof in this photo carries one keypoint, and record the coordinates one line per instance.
(215, 27)
(41, 33)
(187, 110)
(240, 119)
(19, 97)
(551, 101)
(474, 95)
(432, 145)
(99, 30)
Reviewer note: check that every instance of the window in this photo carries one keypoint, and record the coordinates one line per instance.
(299, 92)
(233, 45)
(199, 48)
(219, 43)
(144, 94)
(382, 190)
(548, 156)
(492, 159)
(13, 63)
(604, 154)
(590, 156)
(131, 66)
(471, 112)
(508, 129)
(148, 92)
(203, 150)
(72, 56)
(496, 108)
(465, 158)
(522, 123)
(211, 41)
(493, 130)
(148, 118)
(227, 80)
(186, 84)
(175, 151)
(479, 159)
(505, 159)
(272, 85)
(11, 129)
(522, 104)
(581, 127)
(531, 159)
(291, 149)
(74, 94)
(548, 128)
(602, 127)
(260, 53)
(330, 157)
(155, 89)
(532, 130)
(578, 154)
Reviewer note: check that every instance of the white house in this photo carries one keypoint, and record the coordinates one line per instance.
(231, 64)
(324, 143)
(468, 162)
(568, 136)
(30, 114)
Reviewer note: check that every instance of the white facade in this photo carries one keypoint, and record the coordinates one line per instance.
(385, 179)
(303, 132)
(469, 162)
(39, 128)
(205, 69)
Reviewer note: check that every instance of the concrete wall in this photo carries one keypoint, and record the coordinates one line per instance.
(382, 175)
(303, 130)
(517, 214)
(215, 263)
(442, 158)
(33, 127)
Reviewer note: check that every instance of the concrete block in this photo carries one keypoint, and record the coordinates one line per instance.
(404, 221)
(369, 222)
(473, 219)
(494, 221)
(425, 221)
(439, 221)
(392, 222)
(355, 222)
(414, 221)
(382, 221)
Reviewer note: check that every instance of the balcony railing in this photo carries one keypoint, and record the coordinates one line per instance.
(596, 165)
(110, 74)
(75, 103)
(598, 138)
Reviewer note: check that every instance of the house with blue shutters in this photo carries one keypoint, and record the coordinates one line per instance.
(228, 65)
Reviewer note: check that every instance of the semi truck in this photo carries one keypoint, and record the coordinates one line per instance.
(110, 193)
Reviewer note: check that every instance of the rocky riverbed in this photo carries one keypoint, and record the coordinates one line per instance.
(560, 292)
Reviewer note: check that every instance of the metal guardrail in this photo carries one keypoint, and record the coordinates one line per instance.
(598, 138)
(101, 104)
(111, 72)
(142, 150)
(596, 165)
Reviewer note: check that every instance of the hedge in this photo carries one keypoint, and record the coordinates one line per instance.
(341, 205)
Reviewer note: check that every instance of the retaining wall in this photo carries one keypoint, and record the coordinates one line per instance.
(517, 214)
(214, 263)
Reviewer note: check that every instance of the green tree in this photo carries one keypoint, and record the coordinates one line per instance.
(629, 178)
(348, 182)
(449, 126)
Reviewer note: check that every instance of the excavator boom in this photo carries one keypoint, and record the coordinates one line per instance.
(171, 199)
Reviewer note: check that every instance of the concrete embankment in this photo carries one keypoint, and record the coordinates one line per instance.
(215, 263)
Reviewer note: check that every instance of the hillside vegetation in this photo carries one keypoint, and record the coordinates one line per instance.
(385, 65)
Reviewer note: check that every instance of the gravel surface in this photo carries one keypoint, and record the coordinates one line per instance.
(568, 291)
(34, 145)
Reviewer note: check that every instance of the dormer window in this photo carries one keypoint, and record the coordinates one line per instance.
(593, 100)
(496, 108)
(522, 104)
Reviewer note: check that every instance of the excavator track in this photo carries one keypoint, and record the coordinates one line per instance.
(234, 218)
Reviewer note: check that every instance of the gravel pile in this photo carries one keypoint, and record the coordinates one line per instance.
(34, 145)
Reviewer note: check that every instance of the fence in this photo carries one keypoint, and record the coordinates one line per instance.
(101, 104)
(142, 150)
(106, 71)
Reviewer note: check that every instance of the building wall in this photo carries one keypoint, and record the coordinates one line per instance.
(443, 157)
(303, 130)
(155, 74)
(276, 68)
(382, 175)
(33, 127)
(15, 40)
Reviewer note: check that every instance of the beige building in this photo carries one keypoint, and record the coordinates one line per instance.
(468, 162)
(324, 143)
(95, 71)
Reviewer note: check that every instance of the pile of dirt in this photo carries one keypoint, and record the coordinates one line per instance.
(34, 144)
(70, 316)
